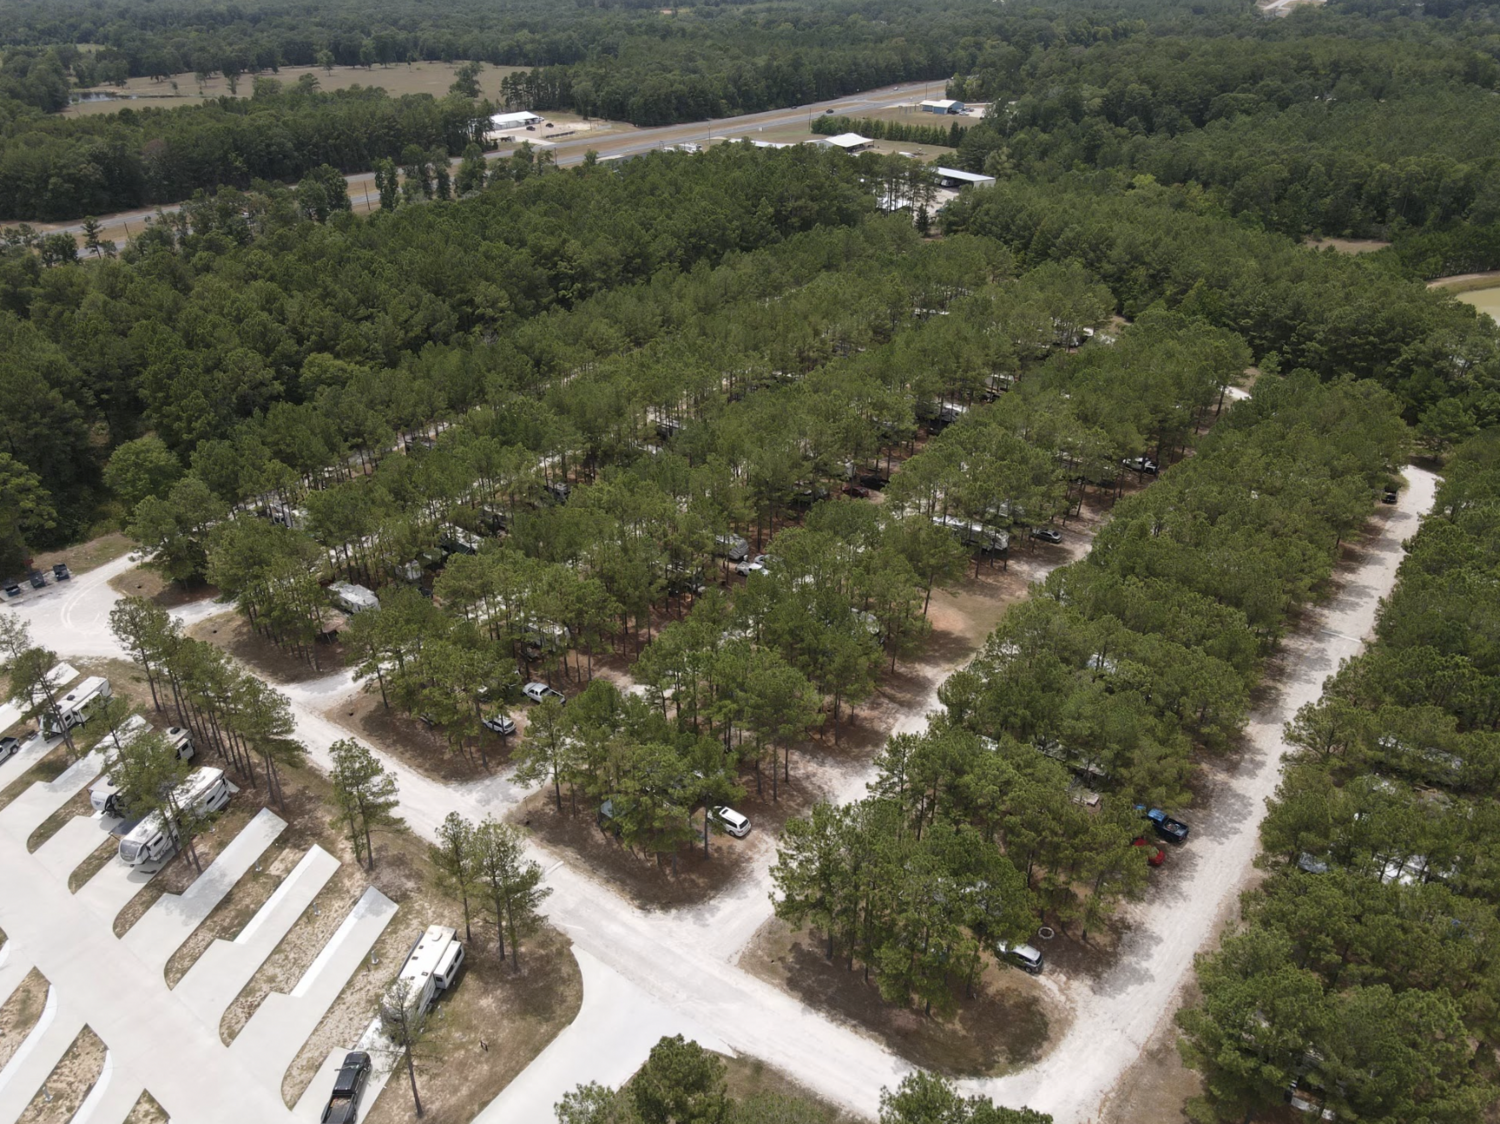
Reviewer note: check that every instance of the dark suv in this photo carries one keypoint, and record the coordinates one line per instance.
(348, 1088)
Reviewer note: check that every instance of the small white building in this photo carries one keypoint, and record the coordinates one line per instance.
(516, 120)
(769, 144)
(955, 179)
(942, 105)
(848, 142)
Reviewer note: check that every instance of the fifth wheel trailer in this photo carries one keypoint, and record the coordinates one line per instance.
(74, 707)
(204, 791)
(430, 967)
(104, 796)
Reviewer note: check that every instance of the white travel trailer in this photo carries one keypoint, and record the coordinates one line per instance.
(431, 966)
(104, 795)
(153, 838)
(353, 598)
(74, 707)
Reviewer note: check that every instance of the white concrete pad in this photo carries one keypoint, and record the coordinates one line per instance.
(382, 1062)
(616, 1027)
(111, 889)
(14, 965)
(225, 967)
(274, 1034)
(173, 917)
(25, 813)
(75, 841)
(32, 750)
(33, 1063)
(113, 1096)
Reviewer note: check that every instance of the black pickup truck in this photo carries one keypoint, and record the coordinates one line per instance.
(348, 1088)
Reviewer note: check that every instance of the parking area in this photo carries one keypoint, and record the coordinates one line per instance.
(165, 1041)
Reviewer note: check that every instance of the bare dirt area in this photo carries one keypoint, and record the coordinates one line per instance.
(1012, 1021)
(20, 1013)
(147, 1111)
(1463, 282)
(93, 864)
(747, 1077)
(419, 746)
(179, 872)
(232, 632)
(490, 1026)
(648, 882)
(141, 582)
(83, 557)
(69, 1083)
(49, 768)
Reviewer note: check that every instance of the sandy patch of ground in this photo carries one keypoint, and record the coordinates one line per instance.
(276, 664)
(69, 1083)
(1012, 1021)
(20, 1013)
(419, 746)
(238, 907)
(515, 1015)
(1463, 282)
(147, 1111)
(141, 582)
(87, 556)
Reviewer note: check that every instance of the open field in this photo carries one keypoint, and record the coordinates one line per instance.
(184, 89)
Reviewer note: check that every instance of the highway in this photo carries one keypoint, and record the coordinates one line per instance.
(124, 225)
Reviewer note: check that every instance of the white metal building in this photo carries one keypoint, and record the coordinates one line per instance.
(848, 142)
(953, 178)
(517, 120)
(942, 105)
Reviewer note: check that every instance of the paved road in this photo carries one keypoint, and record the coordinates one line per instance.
(570, 150)
(684, 961)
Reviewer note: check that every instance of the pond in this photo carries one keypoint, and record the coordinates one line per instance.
(1486, 300)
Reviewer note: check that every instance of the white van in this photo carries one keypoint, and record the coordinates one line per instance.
(104, 795)
(204, 791)
(431, 966)
(73, 708)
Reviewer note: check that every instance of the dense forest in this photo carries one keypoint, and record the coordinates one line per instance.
(1364, 971)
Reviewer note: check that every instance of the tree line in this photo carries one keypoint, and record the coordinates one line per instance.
(879, 129)
(1362, 972)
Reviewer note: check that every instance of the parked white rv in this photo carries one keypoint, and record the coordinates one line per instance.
(431, 966)
(73, 708)
(353, 598)
(204, 791)
(104, 795)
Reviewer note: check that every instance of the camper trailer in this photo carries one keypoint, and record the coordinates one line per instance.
(353, 598)
(104, 796)
(74, 707)
(431, 966)
(204, 791)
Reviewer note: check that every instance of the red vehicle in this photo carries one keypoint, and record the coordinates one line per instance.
(858, 491)
(1157, 856)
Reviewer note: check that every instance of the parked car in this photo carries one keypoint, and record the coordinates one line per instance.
(1046, 534)
(1023, 956)
(8, 746)
(1144, 465)
(500, 723)
(60, 572)
(12, 587)
(871, 480)
(536, 692)
(1173, 831)
(858, 491)
(733, 822)
(38, 579)
(748, 566)
(1157, 855)
(348, 1088)
(1389, 496)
